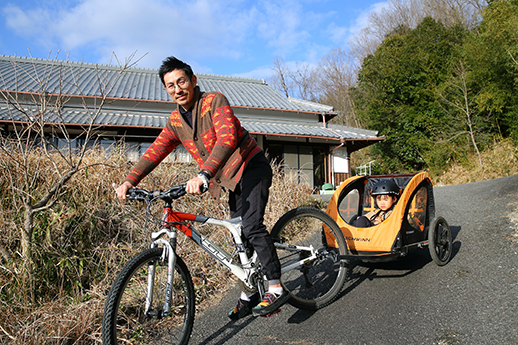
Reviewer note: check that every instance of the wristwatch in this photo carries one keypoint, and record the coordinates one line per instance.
(206, 178)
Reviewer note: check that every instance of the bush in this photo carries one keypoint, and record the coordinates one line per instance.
(498, 160)
(86, 238)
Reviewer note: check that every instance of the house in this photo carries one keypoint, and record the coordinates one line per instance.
(290, 130)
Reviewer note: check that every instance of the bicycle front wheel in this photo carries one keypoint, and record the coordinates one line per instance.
(125, 320)
(314, 280)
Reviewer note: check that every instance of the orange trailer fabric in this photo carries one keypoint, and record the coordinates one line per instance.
(378, 239)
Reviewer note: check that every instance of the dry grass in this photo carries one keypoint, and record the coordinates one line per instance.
(60, 321)
(85, 239)
(499, 161)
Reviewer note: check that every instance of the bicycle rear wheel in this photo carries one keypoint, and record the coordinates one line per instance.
(125, 320)
(317, 282)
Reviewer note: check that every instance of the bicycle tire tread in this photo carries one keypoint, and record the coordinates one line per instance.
(113, 299)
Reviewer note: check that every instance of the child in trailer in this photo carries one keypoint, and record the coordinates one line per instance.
(386, 194)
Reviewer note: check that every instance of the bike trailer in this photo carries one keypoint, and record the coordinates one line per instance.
(408, 225)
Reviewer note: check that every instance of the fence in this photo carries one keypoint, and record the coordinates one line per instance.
(364, 169)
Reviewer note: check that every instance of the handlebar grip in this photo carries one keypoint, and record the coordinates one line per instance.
(137, 194)
(181, 190)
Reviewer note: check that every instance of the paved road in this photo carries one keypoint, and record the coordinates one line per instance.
(471, 300)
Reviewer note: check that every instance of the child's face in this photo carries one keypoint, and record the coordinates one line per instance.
(385, 201)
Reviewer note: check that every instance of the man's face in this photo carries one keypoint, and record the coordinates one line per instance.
(180, 87)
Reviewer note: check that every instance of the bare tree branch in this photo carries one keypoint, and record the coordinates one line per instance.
(35, 112)
(409, 13)
(458, 96)
(280, 75)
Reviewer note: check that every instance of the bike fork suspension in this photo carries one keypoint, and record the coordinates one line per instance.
(171, 262)
(169, 255)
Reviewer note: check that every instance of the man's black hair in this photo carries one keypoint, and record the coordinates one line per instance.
(170, 64)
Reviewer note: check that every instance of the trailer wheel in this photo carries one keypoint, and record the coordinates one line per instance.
(439, 241)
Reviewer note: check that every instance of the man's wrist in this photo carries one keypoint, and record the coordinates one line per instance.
(204, 175)
(128, 183)
(205, 178)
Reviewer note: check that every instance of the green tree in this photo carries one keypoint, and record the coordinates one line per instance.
(396, 92)
(490, 55)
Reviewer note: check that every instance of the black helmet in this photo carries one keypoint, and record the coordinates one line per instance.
(385, 187)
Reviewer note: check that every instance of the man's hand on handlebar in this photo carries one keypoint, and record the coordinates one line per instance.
(195, 186)
(123, 189)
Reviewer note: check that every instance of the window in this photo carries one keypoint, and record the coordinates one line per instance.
(417, 209)
(348, 206)
(296, 160)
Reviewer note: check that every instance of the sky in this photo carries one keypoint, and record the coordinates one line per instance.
(225, 37)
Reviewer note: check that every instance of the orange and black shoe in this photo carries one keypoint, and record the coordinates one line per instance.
(270, 303)
(243, 308)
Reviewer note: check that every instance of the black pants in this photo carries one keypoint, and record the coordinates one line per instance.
(249, 200)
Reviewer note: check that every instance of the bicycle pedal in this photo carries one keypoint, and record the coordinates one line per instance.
(275, 312)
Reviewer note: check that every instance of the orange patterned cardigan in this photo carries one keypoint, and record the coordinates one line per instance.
(217, 142)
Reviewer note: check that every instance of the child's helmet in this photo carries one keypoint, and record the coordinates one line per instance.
(385, 187)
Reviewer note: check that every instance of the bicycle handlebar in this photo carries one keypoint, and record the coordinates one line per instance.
(172, 193)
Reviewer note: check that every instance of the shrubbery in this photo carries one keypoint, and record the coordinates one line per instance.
(81, 243)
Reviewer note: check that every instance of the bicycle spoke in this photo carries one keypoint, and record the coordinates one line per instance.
(319, 277)
(126, 321)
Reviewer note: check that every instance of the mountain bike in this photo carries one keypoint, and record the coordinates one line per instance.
(152, 299)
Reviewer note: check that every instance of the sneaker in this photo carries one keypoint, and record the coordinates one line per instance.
(243, 308)
(270, 303)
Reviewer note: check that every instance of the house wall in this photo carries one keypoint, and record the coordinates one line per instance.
(275, 115)
(340, 165)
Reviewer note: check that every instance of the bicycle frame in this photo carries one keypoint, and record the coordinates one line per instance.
(174, 220)
(154, 296)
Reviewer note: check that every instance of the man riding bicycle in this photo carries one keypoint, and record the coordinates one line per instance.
(228, 157)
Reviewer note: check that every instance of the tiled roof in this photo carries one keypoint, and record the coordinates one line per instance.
(300, 129)
(70, 78)
(108, 118)
(76, 116)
